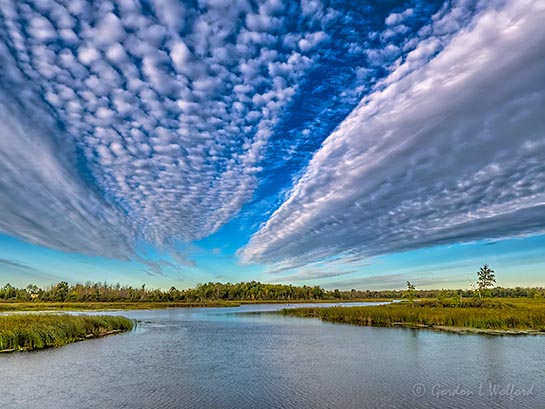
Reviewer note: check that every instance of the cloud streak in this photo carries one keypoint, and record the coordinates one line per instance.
(8, 266)
(448, 148)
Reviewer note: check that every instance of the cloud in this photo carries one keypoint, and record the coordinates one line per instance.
(157, 122)
(311, 274)
(13, 266)
(448, 148)
(397, 282)
(43, 200)
(351, 60)
(137, 122)
(397, 18)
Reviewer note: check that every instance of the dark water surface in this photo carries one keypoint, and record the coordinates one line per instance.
(220, 358)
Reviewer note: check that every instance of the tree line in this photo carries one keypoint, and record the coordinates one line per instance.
(243, 291)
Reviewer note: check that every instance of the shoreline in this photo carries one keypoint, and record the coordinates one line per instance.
(437, 328)
(30, 332)
(87, 337)
(482, 331)
(488, 317)
(461, 330)
(40, 307)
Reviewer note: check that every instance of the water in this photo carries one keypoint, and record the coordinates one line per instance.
(220, 358)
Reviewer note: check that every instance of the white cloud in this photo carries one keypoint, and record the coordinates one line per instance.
(171, 13)
(397, 18)
(109, 30)
(42, 29)
(451, 150)
(180, 55)
(43, 200)
(168, 109)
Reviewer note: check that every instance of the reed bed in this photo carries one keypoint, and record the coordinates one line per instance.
(32, 331)
(9, 306)
(487, 315)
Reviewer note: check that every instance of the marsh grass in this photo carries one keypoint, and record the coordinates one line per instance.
(8, 306)
(97, 306)
(486, 315)
(31, 331)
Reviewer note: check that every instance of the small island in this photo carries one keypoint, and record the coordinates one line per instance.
(27, 332)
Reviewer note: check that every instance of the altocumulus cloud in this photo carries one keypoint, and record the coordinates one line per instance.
(141, 121)
(449, 147)
(157, 121)
(42, 199)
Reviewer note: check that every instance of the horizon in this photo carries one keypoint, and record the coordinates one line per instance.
(399, 289)
(340, 145)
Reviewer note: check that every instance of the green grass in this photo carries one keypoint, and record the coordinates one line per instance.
(506, 314)
(32, 331)
(94, 306)
(97, 306)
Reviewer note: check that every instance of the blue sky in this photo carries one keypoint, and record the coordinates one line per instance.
(349, 144)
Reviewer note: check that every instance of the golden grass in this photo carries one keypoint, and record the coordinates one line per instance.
(146, 305)
(487, 315)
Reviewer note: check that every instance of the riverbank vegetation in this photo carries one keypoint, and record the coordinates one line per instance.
(491, 314)
(202, 293)
(12, 306)
(229, 293)
(20, 332)
(8, 306)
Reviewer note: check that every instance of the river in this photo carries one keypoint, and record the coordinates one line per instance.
(227, 358)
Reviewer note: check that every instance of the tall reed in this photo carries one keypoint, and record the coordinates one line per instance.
(493, 315)
(37, 331)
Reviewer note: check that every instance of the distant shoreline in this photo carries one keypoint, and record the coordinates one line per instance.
(7, 306)
(464, 330)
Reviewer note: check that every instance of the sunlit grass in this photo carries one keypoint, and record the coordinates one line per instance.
(489, 314)
(88, 305)
(33, 331)
(146, 305)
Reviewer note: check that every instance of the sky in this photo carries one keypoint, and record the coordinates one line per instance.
(346, 144)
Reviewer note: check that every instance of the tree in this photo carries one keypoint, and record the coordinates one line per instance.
(61, 291)
(485, 279)
(410, 294)
(8, 292)
(173, 294)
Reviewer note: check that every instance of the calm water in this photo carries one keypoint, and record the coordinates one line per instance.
(220, 358)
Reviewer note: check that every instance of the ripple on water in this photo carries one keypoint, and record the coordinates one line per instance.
(200, 359)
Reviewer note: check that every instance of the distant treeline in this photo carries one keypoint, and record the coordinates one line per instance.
(245, 291)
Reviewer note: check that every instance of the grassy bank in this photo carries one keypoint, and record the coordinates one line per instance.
(7, 306)
(494, 316)
(103, 306)
(32, 331)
